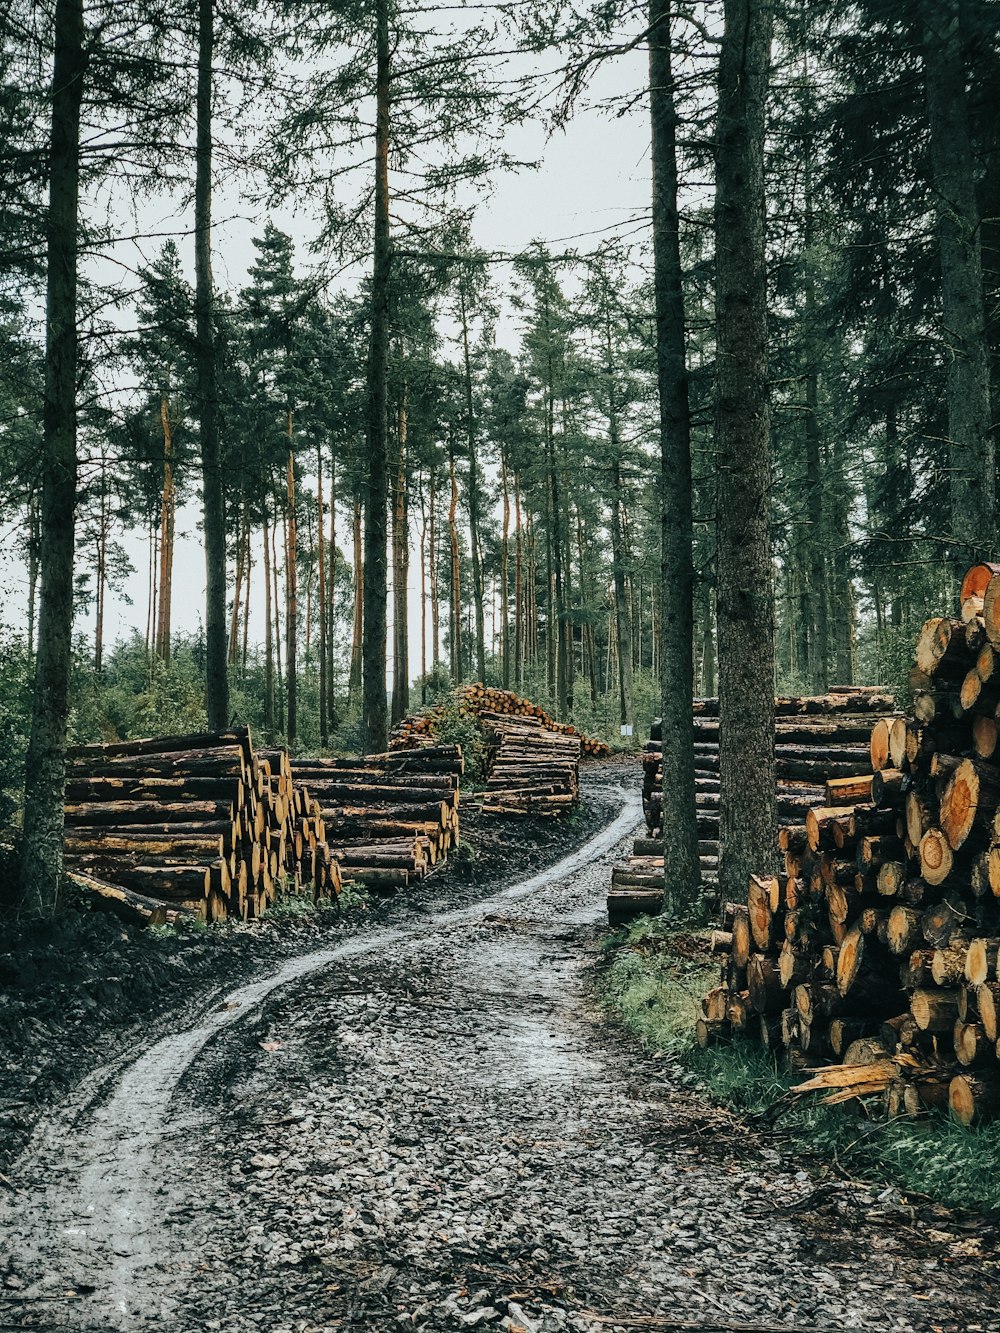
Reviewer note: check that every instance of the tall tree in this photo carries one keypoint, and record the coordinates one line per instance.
(972, 466)
(42, 849)
(374, 701)
(681, 866)
(745, 605)
(213, 502)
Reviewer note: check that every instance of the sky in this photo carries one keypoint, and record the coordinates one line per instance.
(593, 182)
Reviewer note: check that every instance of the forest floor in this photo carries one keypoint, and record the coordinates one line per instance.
(422, 1118)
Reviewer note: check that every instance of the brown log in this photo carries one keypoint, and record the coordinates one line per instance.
(948, 963)
(905, 930)
(970, 797)
(849, 960)
(970, 1042)
(936, 857)
(974, 1096)
(988, 1008)
(157, 745)
(934, 1011)
(889, 788)
(764, 984)
(879, 745)
(981, 960)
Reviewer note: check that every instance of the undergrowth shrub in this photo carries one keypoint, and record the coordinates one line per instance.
(655, 991)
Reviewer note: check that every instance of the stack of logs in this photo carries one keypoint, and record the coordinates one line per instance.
(818, 739)
(199, 825)
(878, 944)
(483, 701)
(390, 818)
(530, 770)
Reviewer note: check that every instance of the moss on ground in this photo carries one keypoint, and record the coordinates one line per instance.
(653, 981)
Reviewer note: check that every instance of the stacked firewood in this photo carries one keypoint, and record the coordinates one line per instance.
(198, 825)
(390, 818)
(817, 738)
(530, 769)
(482, 701)
(878, 944)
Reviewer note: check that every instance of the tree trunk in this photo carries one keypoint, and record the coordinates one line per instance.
(279, 705)
(42, 849)
(400, 573)
(622, 645)
(375, 711)
(455, 626)
(216, 676)
(324, 729)
(505, 673)
(474, 544)
(34, 546)
(354, 680)
(102, 550)
(971, 450)
(331, 701)
(423, 592)
(518, 587)
(268, 644)
(291, 597)
(745, 598)
(238, 572)
(167, 512)
(432, 557)
(681, 865)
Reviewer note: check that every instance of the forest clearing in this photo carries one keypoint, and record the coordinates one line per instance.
(499, 666)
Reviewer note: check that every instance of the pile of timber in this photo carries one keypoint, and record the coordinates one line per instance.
(878, 944)
(530, 770)
(483, 702)
(390, 818)
(198, 825)
(821, 743)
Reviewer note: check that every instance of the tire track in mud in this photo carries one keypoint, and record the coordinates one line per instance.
(90, 1217)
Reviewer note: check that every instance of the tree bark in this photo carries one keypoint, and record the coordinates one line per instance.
(42, 848)
(432, 560)
(681, 864)
(331, 699)
(268, 644)
(324, 729)
(167, 512)
(291, 597)
(400, 573)
(354, 680)
(971, 450)
(505, 673)
(745, 597)
(216, 676)
(375, 704)
(455, 626)
(474, 544)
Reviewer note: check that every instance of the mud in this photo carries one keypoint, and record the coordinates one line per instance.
(429, 1125)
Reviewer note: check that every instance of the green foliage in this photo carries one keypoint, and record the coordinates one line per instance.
(15, 721)
(138, 694)
(351, 898)
(457, 726)
(655, 991)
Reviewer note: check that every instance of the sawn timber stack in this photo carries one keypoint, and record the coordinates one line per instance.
(530, 769)
(390, 818)
(199, 825)
(482, 702)
(817, 738)
(878, 946)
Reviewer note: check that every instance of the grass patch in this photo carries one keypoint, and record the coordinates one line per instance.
(653, 981)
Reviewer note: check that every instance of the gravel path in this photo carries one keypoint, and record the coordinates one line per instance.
(429, 1126)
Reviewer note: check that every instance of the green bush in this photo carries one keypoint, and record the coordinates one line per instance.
(655, 992)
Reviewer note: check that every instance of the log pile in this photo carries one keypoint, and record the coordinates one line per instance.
(200, 825)
(821, 748)
(877, 946)
(530, 770)
(390, 818)
(481, 702)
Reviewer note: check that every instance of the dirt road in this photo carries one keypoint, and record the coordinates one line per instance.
(429, 1126)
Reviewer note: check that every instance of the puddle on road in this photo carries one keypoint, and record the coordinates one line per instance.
(100, 1224)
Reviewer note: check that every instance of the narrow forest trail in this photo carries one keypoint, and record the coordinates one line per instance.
(429, 1126)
